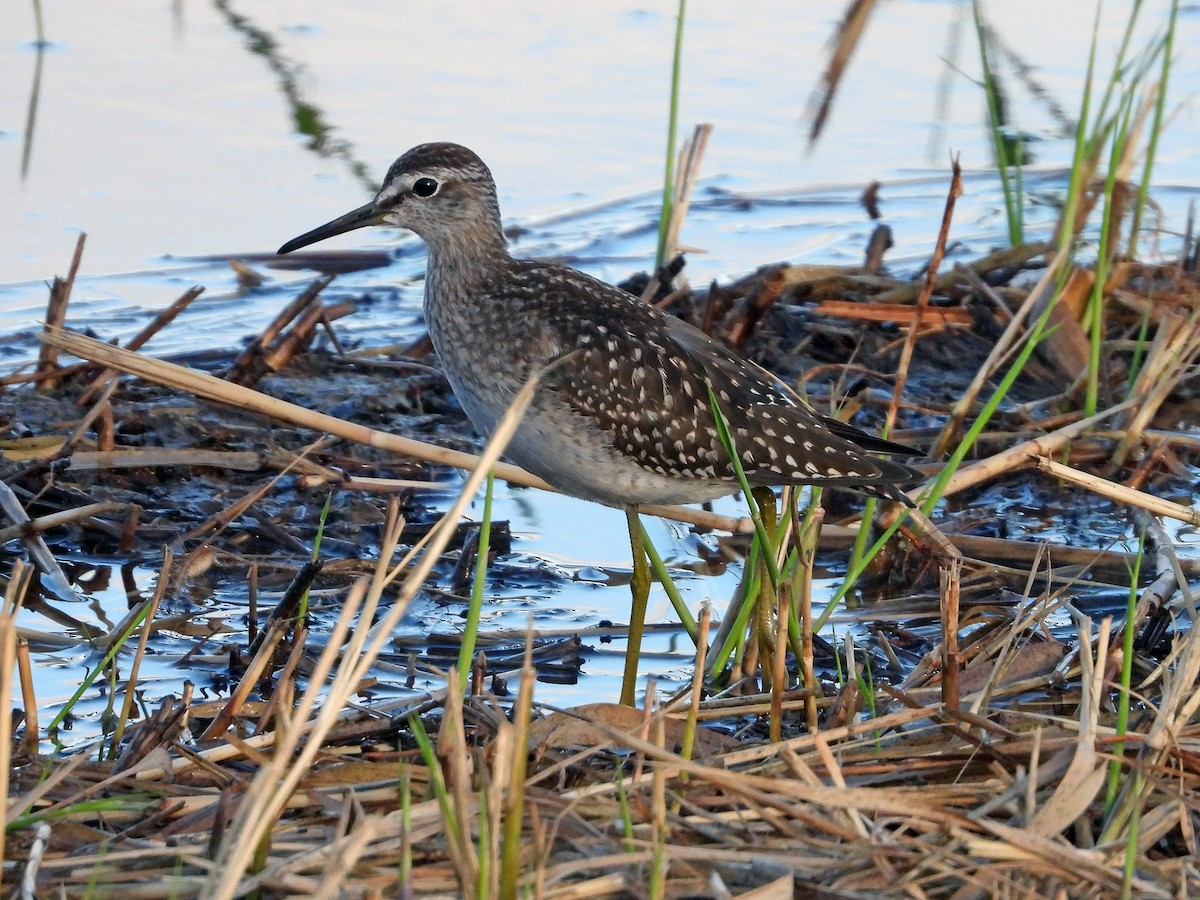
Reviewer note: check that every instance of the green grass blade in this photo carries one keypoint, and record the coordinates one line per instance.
(760, 530)
(664, 578)
(1123, 696)
(91, 677)
(1007, 163)
(466, 651)
(1066, 234)
(672, 127)
(1156, 127)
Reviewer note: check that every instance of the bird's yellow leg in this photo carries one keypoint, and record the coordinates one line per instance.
(639, 586)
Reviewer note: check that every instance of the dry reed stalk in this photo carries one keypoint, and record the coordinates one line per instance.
(849, 33)
(903, 314)
(28, 700)
(453, 755)
(275, 327)
(17, 584)
(851, 816)
(658, 818)
(20, 376)
(1020, 455)
(951, 575)
(1170, 360)
(58, 775)
(250, 678)
(371, 484)
(981, 287)
(1179, 702)
(703, 623)
(927, 534)
(153, 327)
(54, 520)
(686, 172)
(301, 334)
(1167, 558)
(105, 428)
(56, 314)
(777, 793)
(277, 777)
(281, 697)
(852, 731)
(779, 663)
(210, 388)
(1118, 492)
(1065, 345)
(1001, 550)
(1086, 773)
(77, 435)
(931, 271)
(337, 871)
(165, 457)
(1004, 258)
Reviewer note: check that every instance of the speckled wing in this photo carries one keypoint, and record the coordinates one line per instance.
(642, 379)
(779, 437)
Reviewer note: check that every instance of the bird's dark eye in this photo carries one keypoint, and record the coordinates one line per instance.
(425, 187)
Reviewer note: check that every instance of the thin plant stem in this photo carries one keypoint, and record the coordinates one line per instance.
(1122, 723)
(664, 222)
(1066, 234)
(39, 23)
(1013, 202)
(466, 652)
(1160, 106)
(664, 578)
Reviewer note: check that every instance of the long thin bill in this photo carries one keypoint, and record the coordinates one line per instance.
(369, 214)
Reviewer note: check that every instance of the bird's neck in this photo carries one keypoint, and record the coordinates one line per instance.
(466, 262)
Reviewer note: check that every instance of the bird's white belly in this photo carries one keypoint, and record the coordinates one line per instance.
(559, 445)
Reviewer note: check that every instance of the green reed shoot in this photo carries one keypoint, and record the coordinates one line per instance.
(302, 609)
(626, 812)
(91, 676)
(1132, 842)
(1160, 106)
(1122, 724)
(39, 24)
(760, 529)
(1008, 150)
(672, 126)
(466, 652)
(437, 781)
(659, 568)
(762, 547)
(1094, 316)
(405, 788)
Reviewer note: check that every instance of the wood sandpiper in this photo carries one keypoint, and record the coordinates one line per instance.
(623, 418)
